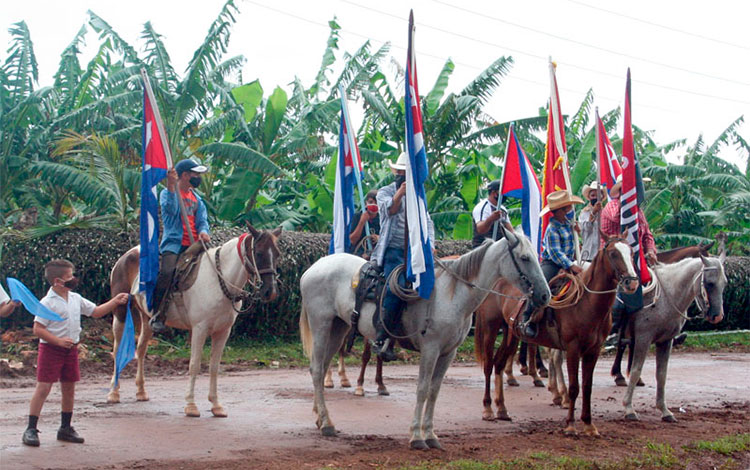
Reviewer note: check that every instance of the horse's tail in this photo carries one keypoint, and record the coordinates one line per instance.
(304, 331)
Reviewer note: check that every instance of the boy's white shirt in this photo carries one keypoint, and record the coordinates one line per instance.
(3, 295)
(70, 310)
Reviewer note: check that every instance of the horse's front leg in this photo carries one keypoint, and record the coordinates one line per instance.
(663, 351)
(640, 351)
(588, 363)
(140, 356)
(118, 328)
(572, 360)
(438, 374)
(218, 341)
(197, 340)
(426, 370)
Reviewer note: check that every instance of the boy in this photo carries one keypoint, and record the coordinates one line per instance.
(58, 346)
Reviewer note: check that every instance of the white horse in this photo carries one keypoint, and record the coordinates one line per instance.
(208, 308)
(700, 279)
(436, 327)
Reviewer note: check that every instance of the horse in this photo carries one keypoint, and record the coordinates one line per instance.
(665, 257)
(211, 305)
(702, 280)
(344, 380)
(580, 330)
(435, 326)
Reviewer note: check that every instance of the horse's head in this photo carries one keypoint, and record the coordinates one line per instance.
(710, 298)
(620, 256)
(262, 252)
(526, 271)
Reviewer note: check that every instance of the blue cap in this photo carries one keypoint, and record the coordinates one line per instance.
(189, 165)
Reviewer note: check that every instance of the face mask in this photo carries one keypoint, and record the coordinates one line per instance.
(71, 284)
(195, 181)
(399, 180)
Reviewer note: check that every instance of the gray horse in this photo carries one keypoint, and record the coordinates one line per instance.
(700, 279)
(435, 327)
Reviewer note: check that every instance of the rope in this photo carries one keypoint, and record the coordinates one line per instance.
(472, 285)
(402, 293)
(243, 294)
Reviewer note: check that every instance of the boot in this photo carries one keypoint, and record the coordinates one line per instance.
(530, 328)
(383, 345)
(158, 326)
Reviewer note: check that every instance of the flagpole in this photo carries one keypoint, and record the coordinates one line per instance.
(165, 145)
(502, 179)
(355, 160)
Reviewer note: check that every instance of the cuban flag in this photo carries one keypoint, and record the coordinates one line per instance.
(520, 181)
(419, 263)
(608, 167)
(343, 193)
(629, 197)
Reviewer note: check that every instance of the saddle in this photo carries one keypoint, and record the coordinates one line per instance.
(186, 269)
(369, 286)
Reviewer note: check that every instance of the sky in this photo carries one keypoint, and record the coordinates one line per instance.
(688, 59)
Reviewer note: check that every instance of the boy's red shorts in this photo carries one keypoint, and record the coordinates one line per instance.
(55, 363)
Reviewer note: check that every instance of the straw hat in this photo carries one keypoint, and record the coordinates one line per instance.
(558, 199)
(593, 186)
(400, 163)
(617, 188)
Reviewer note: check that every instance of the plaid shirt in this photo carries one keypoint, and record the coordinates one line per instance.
(559, 244)
(610, 225)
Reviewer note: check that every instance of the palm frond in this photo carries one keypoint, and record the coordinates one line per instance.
(432, 100)
(20, 66)
(158, 58)
(485, 83)
(243, 156)
(329, 57)
(106, 32)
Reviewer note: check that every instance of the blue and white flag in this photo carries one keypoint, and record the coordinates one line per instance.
(343, 193)
(419, 263)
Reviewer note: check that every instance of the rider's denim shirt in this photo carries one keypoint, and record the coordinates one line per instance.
(171, 239)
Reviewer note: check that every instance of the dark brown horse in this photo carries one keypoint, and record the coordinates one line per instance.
(579, 329)
(665, 257)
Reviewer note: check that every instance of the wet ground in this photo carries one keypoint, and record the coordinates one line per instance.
(271, 424)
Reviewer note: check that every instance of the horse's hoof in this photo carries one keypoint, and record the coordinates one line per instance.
(538, 383)
(669, 419)
(328, 385)
(544, 373)
(113, 398)
(524, 370)
(503, 416)
(192, 411)
(328, 431)
(383, 392)
(591, 431)
(345, 383)
(640, 383)
(620, 381)
(433, 444)
(632, 416)
(359, 392)
(488, 416)
(219, 412)
(512, 382)
(557, 401)
(141, 396)
(418, 444)
(570, 431)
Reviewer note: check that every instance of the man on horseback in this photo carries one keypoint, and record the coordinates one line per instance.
(488, 214)
(177, 236)
(390, 252)
(559, 246)
(368, 216)
(589, 220)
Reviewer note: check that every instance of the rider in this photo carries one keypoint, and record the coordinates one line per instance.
(589, 220)
(389, 252)
(487, 214)
(610, 225)
(370, 217)
(185, 176)
(559, 245)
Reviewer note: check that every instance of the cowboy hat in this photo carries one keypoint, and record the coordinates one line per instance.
(559, 199)
(587, 188)
(617, 187)
(400, 163)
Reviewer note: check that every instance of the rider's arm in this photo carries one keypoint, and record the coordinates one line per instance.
(647, 238)
(169, 205)
(356, 233)
(201, 219)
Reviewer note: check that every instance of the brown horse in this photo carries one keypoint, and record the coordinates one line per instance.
(579, 329)
(665, 257)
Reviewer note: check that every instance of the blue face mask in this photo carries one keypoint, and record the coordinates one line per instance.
(571, 215)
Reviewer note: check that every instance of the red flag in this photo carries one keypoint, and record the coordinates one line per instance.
(608, 166)
(556, 175)
(629, 193)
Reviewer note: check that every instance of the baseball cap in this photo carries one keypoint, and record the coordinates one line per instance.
(493, 186)
(189, 165)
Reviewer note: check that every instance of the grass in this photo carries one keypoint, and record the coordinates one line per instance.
(711, 342)
(726, 445)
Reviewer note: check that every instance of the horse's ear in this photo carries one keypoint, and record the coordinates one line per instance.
(277, 231)
(703, 259)
(253, 231)
(704, 249)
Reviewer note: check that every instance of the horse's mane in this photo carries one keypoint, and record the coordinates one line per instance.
(675, 267)
(467, 265)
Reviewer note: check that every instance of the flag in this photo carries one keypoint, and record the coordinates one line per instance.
(520, 181)
(629, 193)
(21, 293)
(556, 174)
(419, 263)
(343, 193)
(126, 346)
(608, 166)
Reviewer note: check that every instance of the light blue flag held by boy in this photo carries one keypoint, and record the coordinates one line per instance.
(126, 348)
(21, 293)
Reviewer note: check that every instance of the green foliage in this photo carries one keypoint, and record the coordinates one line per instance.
(725, 445)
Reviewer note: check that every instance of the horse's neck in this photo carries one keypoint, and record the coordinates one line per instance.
(231, 265)
(602, 278)
(678, 281)
(488, 275)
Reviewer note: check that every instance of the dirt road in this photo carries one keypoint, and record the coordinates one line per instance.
(271, 425)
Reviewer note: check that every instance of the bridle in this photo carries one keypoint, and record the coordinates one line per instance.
(622, 278)
(529, 286)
